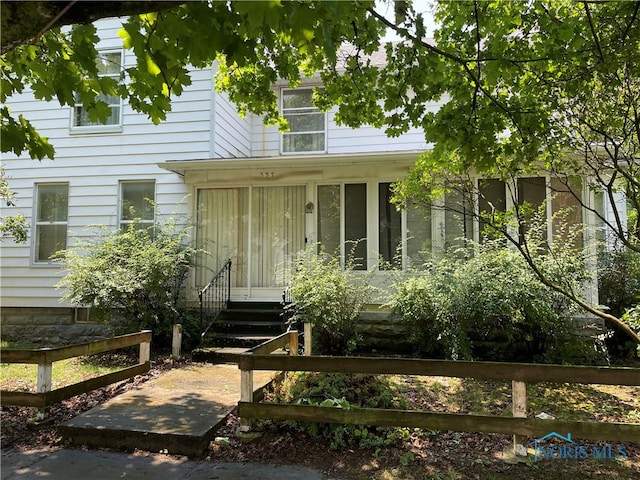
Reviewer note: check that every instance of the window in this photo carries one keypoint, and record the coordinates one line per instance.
(307, 124)
(355, 224)
(52, 202)
(109, 65)
(532, 193)
(329, 218)
(419, 234)
(458, 219)
(492, 199)
(389, 229)
(137, 203)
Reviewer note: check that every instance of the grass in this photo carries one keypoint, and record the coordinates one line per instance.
(23, 377)
(562, 400)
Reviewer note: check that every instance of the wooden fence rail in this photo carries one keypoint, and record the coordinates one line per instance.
(44, 358)
(518, 373)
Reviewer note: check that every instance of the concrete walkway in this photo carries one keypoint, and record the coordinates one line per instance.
(176, 413)
(70, 464)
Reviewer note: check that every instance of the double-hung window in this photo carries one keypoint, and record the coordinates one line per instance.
(137, 203)
(109, 65)
(52, 202)
(307, 124)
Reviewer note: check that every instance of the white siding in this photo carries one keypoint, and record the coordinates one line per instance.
(342, 139)
(231, 132)
(93, 164)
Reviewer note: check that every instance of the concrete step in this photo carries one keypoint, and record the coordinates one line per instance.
(247, 325)
(243, 340)
(218, 355)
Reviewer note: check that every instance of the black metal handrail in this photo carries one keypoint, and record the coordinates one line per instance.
(215, 297)
(287, 310)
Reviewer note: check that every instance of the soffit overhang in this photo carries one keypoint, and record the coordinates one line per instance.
(292, 163)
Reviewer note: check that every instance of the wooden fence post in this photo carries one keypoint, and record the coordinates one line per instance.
(145, 352)
(246, 395)
(293, 343)
(176, 344)
(307, 339)
(519, 400)
(44, 385)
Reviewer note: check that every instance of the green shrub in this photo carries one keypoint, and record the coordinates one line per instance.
(619, 290)
(491, 306)
(342, 391)
(136, 275)
(330, 298)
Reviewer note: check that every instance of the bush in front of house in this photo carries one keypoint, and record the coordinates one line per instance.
(133, 278)
(619, 290)
(329, 297)
(491, 306)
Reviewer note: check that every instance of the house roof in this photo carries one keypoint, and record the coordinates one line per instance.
(293, 161)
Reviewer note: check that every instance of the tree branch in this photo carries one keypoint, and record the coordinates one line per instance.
(25, 22)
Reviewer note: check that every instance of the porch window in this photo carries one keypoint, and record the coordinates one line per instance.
(355, 224)
(458, 220)
(223, 232)
(532, 191)
(565, 195)
(137, 203)
(419, 234)
(52, 204)
(492, 199)
(328, 219)
(307, 124)
(109, 65)
(389, 230)
(277, 232)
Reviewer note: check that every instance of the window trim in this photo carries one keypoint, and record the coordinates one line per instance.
(37, 223)
(99, 128)
(283, 134)
(121, 221)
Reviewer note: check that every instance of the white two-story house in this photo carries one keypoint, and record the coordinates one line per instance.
(257, 196)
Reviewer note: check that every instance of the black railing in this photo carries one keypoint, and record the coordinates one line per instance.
(288, 319)
(215, 297)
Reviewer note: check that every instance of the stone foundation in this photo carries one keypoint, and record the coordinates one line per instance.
(382, 331)
(47, 327)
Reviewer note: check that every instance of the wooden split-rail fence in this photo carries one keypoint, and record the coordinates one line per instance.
(519, 374)
(45, 357)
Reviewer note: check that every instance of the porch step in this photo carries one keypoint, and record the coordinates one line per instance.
(242, 340)
(245, 325)
(218, 355)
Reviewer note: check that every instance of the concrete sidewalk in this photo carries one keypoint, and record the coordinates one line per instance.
(70, 464)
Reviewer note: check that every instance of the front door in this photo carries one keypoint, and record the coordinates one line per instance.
(262, 229)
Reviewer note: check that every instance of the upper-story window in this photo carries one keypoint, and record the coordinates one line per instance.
(137, 203)
(52, 202)
(109, 65)
(307, 125)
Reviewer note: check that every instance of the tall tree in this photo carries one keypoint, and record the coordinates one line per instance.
(523, 85)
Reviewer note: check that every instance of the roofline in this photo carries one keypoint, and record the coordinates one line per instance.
(291, 161)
